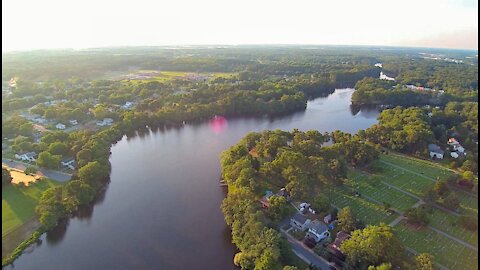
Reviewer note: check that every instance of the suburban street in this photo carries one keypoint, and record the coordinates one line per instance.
(305, 253)
(52, 174)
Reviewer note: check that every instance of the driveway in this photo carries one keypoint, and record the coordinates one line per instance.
(52, 174)
(305, 253)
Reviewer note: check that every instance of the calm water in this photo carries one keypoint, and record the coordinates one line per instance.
(162, 207)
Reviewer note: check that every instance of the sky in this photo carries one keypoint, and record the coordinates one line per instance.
(47, 24)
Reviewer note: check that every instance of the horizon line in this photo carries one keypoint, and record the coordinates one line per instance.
(233, 45)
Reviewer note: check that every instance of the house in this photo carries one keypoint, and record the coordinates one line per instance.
(30, 156)
(318, 230)
(334, 247)
(127, 105)
(73, 122)
(435, 151)
(105, 122)
(69, 163)
(60, 126)
(40, 120)
(265, 200)
(456, 145)
(454, 154)
(284, 193)
(299, 221)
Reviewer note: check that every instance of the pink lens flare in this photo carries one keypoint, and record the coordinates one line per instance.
(218, 124)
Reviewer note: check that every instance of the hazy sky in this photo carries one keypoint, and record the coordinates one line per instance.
(34, 24)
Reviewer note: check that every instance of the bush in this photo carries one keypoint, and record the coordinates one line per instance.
(6, 177)
(30, 170)
(18, 251)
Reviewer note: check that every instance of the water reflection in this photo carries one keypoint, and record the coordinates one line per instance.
(162, 207)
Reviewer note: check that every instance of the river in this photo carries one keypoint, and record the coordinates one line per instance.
(161, 209)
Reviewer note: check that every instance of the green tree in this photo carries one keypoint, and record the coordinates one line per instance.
(417, 216)
(278, 208)
(424, 261)
(6, 177)
(373, 245)
(58, 148)
(288, 267)
(468, 175)
(31, 170)
(321, 203)
(26, 129)
(383, 266)
(47, 160)
(93, 173)
(346, 220)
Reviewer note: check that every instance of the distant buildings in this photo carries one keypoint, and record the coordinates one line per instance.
(30, 156)
(69, 163)
(435, 151)
(73, 122)
(60, 126)
(456, 147)
(127, 105)
(105, 122)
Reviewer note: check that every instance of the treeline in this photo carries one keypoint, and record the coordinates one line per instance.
(370, 91)
(269, 161)
(437, 74)
(410, 130)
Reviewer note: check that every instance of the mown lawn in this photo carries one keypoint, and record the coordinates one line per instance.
(445, 251)
(380, 191)
(448, 223)
(421, 166)
(18, 203)
(367, 211)
(404, 180)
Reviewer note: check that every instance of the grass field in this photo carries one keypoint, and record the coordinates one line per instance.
(380, 191)
(448, 223)
(403, 179)
(163, 76)
(424, 167)
(367, 211)
(445, 251)
(18, 203)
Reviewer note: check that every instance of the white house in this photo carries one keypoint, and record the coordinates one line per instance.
(456, 145)
(69, 163)
(30, 156)
(454, 154)
(435, 151)
(60, 126)
(300, 221)
(73, 122)
(318, 230)
(105, 122)
(127, 105)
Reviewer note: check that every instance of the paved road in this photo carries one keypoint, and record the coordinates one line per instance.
(52, 174)
(305, 253)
